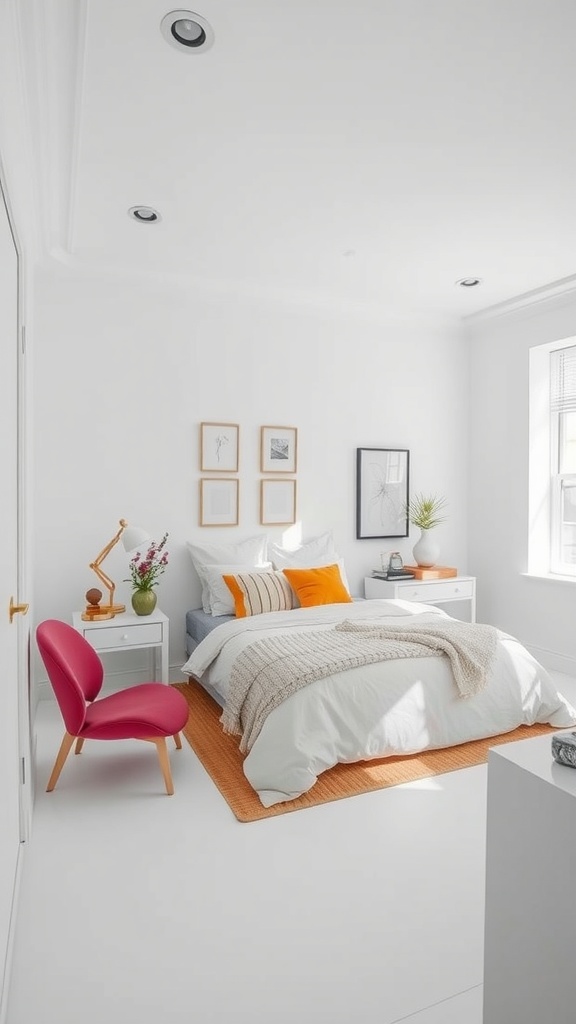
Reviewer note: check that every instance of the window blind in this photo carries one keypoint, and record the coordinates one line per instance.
(563, 379)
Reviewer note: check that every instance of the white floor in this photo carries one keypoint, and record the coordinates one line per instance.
(140, 908)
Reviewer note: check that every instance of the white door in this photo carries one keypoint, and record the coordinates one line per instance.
(10, 632)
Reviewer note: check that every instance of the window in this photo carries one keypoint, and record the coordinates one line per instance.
(552, 460)
(563, 460)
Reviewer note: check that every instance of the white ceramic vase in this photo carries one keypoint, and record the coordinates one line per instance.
(426, 550)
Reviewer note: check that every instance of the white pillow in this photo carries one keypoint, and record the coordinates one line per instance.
(312, 555)
(315, 552)
(220, 597)
(251, 551)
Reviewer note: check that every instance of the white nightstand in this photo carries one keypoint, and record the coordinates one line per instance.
(457, 588)
(129, 632)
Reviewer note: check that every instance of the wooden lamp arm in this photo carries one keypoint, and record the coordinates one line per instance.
(95, 565)
(110, 586)
(106, 551)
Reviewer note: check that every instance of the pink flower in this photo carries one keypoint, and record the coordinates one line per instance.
(144, 572)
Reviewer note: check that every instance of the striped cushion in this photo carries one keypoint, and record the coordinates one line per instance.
(258, 592)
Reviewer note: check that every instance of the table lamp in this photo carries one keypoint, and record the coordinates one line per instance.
(132, 538)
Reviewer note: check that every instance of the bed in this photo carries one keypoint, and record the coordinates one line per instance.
(400, 705)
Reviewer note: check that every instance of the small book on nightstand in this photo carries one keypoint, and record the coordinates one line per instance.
(393, 574)
(435, 572)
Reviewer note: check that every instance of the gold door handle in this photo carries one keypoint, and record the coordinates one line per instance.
(17, 609)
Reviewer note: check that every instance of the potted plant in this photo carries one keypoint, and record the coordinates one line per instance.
(145, 570)
(426, 511)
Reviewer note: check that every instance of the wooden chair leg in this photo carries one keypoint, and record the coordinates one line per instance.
(177, 740)
(79, 744)
(65, 748)
(165, 764)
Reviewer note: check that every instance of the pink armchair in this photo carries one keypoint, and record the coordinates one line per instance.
(149, 711)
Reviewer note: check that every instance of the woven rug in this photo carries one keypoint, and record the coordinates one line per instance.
(221, 758)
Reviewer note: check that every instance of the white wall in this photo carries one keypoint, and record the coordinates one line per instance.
(541, 613)
(125, 371)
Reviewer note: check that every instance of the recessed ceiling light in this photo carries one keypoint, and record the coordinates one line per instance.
(469, 282)
(187, 31)
(145, 214)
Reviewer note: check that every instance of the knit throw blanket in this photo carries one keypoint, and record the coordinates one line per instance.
(270, 670)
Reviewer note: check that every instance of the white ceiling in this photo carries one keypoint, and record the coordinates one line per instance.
(362, 155)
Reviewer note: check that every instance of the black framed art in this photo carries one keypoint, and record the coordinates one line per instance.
(382, 492)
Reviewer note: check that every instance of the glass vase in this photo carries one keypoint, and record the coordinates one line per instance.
(143, 601)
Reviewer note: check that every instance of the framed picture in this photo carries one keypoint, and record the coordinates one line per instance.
(219, 501)
(278, 449)
(382, 476)
(277, 502)
(219, 443)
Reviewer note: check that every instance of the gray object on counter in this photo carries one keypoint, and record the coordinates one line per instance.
(564, 749)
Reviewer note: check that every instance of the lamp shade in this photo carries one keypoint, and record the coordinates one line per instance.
(134, 537)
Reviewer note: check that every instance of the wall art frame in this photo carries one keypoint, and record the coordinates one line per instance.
(219, 447)
(382, 492)
(277, 502)
(219, 501)
(278, 449)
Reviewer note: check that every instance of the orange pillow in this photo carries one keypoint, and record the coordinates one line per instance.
(322, 585)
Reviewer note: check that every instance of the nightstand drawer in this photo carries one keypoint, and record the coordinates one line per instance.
(438, 592)
(121, 636)
(447, 590)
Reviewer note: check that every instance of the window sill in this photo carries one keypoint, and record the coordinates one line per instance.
(553, 577)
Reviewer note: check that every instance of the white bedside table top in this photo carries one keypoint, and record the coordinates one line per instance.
(413, 579)
(535, 756)
(124, 619)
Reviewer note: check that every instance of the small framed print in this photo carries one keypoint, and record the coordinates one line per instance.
(278, 449)
(277, 502)
(219, 501)
(219, 444)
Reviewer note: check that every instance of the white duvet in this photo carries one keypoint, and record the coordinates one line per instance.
(373, 711)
